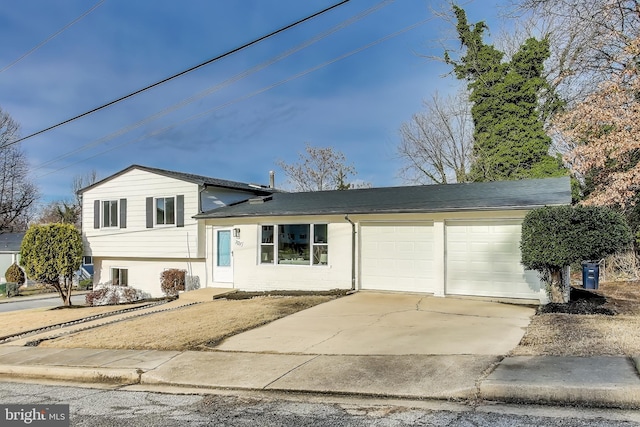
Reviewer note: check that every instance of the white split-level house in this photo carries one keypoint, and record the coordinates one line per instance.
(139, 222)
(454, 239)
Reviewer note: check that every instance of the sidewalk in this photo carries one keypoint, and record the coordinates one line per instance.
(597, 381)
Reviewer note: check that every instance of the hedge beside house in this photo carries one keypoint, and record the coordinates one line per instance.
(555, 237)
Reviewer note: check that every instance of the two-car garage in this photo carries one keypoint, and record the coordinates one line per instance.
(480, 258)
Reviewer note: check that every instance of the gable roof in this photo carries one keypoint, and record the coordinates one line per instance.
(188, 177)
(525, 194)
(11, 242)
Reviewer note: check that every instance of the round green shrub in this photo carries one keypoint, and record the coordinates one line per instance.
(554, 237)
(15, 274)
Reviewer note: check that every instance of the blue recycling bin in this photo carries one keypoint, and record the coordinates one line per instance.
(590, 275)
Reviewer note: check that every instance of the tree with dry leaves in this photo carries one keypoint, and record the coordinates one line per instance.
(436, 144)
(601, 136)
(319, 169)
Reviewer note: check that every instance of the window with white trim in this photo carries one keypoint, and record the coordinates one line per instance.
(294, 244)
(165, 210)
(119, 277)
(109, 213)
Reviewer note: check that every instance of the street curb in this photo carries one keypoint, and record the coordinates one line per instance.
(600, 397)
(604, 381)
(121, 376)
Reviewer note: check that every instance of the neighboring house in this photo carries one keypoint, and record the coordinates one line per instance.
(139, 222)
(455, 239)
(9, 251)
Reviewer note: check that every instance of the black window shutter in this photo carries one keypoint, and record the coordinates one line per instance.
(180, 211)
(149, 212)
(123, 213)
(96, 214)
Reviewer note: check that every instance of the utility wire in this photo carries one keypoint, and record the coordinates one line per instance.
(182, 73)
(52, 36)
(219, 86)
(245, 97)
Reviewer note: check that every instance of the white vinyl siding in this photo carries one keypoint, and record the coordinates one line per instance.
(137, 240)
(483, 258)
(397, 257)
(251, 273)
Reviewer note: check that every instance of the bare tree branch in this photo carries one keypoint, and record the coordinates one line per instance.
(436, 144)
(319, 169)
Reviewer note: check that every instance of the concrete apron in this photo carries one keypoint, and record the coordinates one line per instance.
(401, 345)
(410, 376)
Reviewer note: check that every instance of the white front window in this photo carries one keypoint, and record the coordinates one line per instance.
(294, 244)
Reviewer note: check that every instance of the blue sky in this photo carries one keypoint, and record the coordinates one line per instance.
(232, 119)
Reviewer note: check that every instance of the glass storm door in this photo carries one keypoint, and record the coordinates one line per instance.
(223, 256)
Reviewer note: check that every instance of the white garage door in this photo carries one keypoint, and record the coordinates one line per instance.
(483, 258)
(397, 257)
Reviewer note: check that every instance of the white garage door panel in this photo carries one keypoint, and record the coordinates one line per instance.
(483, 258)
(397, 257)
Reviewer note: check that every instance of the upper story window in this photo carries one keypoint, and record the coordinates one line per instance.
(165, 211)
(161, 211)
(109, 213)
(296, 244)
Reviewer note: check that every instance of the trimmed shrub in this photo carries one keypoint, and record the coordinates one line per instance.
(172, 281)
(50, 254)
(555, 237)
(15, 274)
(108, 294)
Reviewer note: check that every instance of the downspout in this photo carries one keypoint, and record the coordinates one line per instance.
(353, 252)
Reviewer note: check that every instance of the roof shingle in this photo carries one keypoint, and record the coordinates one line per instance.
(524, 194)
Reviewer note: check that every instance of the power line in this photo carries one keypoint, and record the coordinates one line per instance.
(245, 97)
(221, 85)
(52, 36)
(182, 73)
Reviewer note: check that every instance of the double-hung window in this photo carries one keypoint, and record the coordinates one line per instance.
(165, 211)
(294, 244)
(109, 213)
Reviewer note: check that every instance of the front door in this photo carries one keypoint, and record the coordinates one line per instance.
(222, 256)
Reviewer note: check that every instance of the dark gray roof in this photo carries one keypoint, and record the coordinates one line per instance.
(188, 177)
(524, 194)
(10, 242)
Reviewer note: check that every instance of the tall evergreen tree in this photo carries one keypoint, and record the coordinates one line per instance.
(508, 116)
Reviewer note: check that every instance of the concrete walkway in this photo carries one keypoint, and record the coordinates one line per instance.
(598, 381)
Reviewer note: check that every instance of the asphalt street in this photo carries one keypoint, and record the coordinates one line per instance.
(46, 302)
(123, 408)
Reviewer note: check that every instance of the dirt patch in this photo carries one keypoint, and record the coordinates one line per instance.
(197, 327)
(603, 322)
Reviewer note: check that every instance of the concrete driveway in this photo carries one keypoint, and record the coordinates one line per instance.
(372, 323)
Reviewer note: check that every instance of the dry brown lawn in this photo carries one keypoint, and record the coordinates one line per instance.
(15, 322)
(197, 327)
(589, 335)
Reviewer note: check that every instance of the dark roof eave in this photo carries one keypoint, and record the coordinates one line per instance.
(372, 212)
